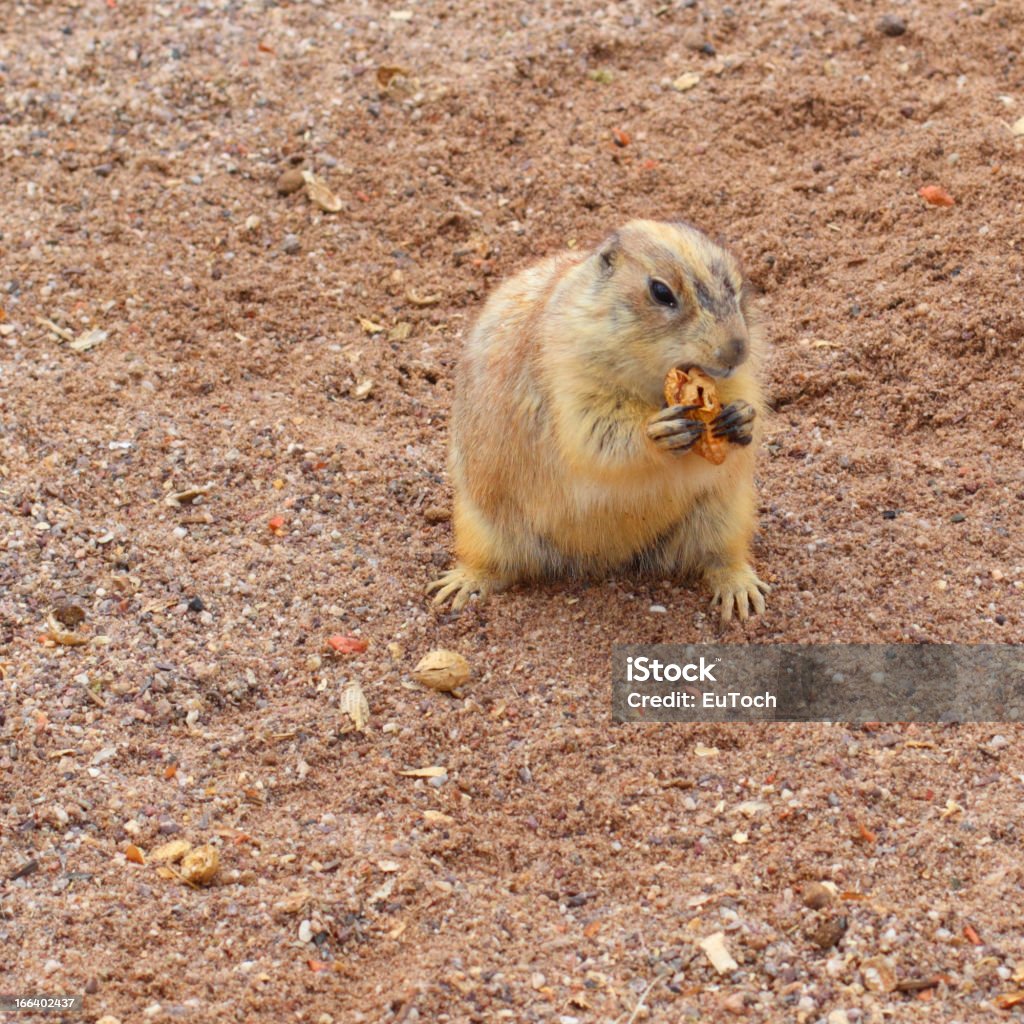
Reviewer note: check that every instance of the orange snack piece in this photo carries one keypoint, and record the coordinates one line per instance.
(694, 387)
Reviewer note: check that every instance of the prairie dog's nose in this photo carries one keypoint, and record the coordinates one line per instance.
(732, 352)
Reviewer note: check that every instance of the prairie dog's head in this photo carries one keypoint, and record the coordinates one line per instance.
(663, 295)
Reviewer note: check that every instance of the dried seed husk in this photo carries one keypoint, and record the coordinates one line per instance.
(319, 194)
(62, 636)
(170, 853)
(355, 705)
(442, 670)
(200, 866)
(715, 950)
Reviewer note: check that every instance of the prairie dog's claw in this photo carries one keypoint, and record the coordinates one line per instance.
(739, 588)
(671, 431)
(734, 423)
(459, 584)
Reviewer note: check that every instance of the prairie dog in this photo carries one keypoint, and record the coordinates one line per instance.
(562, 457)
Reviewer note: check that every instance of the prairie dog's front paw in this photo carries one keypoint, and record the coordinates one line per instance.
(671, 431)
(737, 588)
(735, 423)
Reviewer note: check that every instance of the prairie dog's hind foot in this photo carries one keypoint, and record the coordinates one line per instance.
(460, 584)
(737, 588)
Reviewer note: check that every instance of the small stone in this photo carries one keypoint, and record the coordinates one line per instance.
(828, 933)
(437, 514)
(195, 604)
(959, 517)
(51, 966)
(998, 742)
(103, 171)
(878, 974)
(658, 609)
(69, 615)
(734, 1003)
(305, 931)
(816, 895)
(291, 181)
(291, 244)
(891, 25)
(686, 81)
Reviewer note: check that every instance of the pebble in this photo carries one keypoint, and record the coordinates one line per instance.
(998, 742)
(438, 781)
(891, 25)
(291, 181)
(51, 966)
(306, 931)
(657, 609)
(815, 895)
(291, 244)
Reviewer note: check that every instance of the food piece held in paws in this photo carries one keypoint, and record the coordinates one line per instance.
(694, 387)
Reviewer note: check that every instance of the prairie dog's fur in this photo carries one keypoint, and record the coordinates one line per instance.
(562, 457)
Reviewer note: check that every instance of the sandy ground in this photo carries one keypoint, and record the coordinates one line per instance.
(300, 364)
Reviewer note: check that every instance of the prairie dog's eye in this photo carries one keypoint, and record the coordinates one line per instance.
(662, 294)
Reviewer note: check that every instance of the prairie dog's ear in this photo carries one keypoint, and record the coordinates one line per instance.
(608, 254)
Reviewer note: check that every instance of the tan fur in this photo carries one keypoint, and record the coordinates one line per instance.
(553, 467)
